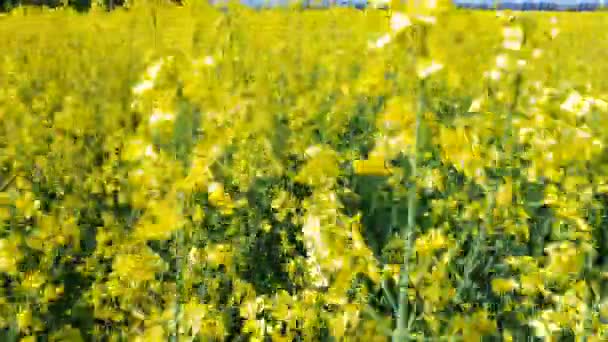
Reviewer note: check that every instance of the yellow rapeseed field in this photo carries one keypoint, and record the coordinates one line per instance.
(195, 174)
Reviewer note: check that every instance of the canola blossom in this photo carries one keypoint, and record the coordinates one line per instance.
(200, 174)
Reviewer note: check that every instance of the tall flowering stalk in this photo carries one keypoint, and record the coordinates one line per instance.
(415, 25)
(409, 231)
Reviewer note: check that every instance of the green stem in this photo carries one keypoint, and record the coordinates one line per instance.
(401, 333)
(7, 183)
(513, 162)
(389, 296)
(179, 248)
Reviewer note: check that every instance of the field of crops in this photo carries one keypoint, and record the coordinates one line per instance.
(189, 174)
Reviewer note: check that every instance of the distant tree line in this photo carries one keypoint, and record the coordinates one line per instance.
(79, 5)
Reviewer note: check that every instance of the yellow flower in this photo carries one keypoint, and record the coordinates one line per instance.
(196, 314)
(52, 292)
(532, 284)
(430, 242)
(161, 219)
(199, 215)
(153, 333)
(5, 199)
(67, 333)
(392, 270)
(437, 294)
(27, 205)
(564, 258)
(483, 323)
(399, 22)
(397, 116)
(138, 149)
(9, 255)
(426, 68)
(375, 166)
(555, 319)
(513, 37)
(34, 280)
(219, 198)
(219, 254)
(24, 319)
(322, 167)
(501, 285)
(507, 335)
(140, 266)
(504, 195)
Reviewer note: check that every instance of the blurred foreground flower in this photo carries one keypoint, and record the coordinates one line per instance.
(375, 166)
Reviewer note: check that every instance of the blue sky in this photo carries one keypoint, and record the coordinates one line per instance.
(514, 4)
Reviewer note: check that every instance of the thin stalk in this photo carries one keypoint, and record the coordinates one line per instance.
(483, 229)
(155, 26)
(512, 142)
(402, 333)
(179, 264)
(389, 296)
(7, 183)
(177, 309)
(511, 151)
(480, 240)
